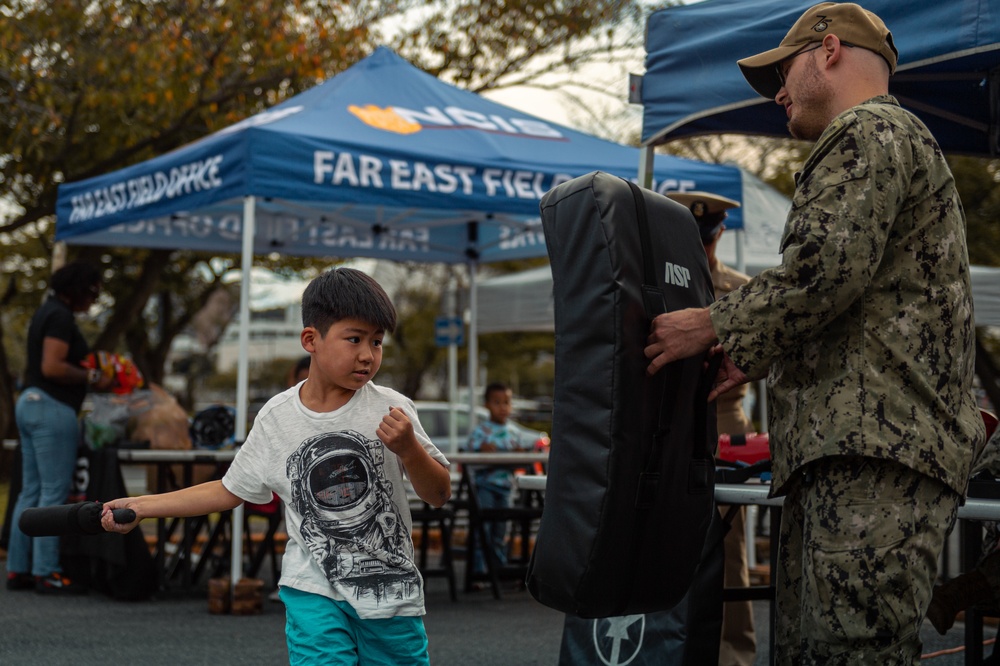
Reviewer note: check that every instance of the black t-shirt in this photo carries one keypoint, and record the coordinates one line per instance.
(55, 320)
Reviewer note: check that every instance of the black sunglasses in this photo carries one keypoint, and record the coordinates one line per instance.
(780, 67)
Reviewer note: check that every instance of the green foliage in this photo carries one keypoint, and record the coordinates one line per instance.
(485, 45)
(91, 87)
(410, 359)
(267, 378)
(776, 161)
(978, 183)
(525, 361)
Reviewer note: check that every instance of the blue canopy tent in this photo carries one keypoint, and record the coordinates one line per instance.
(383, 161)
(948, 72)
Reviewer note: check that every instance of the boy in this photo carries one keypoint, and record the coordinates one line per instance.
(335, 449)
(494, 484)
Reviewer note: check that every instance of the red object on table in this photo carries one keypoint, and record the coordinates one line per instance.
(990, 421)
(749, 448)
(119, 366)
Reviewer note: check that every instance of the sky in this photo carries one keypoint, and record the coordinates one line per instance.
(607, 113)
(268, 290)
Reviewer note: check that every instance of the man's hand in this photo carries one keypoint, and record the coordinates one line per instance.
(677, 335)
(729, 376)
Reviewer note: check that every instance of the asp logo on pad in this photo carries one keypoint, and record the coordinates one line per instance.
(409, 121)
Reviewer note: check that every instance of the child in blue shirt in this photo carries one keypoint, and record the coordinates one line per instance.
(494, 484)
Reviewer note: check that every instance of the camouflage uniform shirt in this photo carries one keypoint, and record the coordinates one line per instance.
(865, 330)
(729, 407)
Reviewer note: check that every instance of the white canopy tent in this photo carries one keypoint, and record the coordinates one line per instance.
(523, 301)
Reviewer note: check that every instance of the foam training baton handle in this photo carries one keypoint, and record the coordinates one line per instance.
(80, 518)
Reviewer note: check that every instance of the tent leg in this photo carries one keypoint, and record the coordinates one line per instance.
(646, 167)
(242, 380)
(473, 345)
(452, 373)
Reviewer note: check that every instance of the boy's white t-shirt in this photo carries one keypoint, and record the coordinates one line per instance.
(346, 510)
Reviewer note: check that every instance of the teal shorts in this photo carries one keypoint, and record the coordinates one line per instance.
(320, 630)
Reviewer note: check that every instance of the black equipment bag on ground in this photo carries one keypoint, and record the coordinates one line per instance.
(686, 635)
(118, 565)
(629, 496)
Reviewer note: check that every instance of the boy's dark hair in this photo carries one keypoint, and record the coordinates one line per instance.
(76, 281)
(494, 386)
(346, 293)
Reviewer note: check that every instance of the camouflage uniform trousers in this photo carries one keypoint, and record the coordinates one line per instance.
(857, 560)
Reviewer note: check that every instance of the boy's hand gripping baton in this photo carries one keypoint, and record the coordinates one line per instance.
(81, 518)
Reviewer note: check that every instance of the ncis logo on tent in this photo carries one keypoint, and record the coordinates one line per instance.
(408, 121)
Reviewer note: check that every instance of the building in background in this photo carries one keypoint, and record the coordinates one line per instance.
(273, 333)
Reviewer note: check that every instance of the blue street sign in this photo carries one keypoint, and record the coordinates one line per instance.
(448, 331)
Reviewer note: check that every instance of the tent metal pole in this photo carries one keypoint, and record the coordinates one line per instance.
(741, 262)
(473, 344)
(242, 380)
(452, 308)
(646, 167)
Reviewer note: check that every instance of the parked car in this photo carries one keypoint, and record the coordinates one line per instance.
(434, 417)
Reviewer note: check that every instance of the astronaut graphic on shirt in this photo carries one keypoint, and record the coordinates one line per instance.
(349, 523)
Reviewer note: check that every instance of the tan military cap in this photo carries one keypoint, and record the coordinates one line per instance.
(853, 24)
(709, 210)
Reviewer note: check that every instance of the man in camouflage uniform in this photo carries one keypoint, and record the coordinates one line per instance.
(865, 332)
(738, 646)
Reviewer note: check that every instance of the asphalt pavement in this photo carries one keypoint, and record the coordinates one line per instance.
(176, 628)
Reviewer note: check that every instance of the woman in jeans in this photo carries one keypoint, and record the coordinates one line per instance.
(54, 387)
